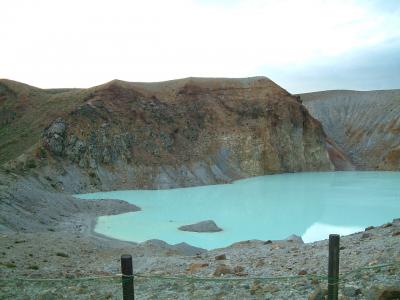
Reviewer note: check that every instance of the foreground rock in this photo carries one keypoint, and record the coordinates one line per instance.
(182, 248)
(204, 226)
(73, 254)
(295, 238)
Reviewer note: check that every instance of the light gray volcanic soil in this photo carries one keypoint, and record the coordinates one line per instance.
(55, 239)
(70, 250)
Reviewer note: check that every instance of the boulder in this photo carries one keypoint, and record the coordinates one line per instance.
(351, 291)
(385, 292)
(366, 235)
(203, 226)
(295, 238)
(220, 257)
(238, 270)
(303, 272)
(194, 267)
(222, 270)
(317, 294)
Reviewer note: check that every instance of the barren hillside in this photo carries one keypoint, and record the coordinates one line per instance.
(153, 135)
(366, 125)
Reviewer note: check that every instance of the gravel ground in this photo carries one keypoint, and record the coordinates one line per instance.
(72, 252)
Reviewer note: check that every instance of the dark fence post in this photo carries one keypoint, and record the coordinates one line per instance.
(127, 277)
(333, 267)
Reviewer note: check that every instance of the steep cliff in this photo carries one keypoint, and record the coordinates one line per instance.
(152, 135)
(366, 125)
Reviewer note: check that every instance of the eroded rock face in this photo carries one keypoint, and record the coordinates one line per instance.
(365, 125)
(186, 132)
(54, 137)
(204, 226)
(191, 132)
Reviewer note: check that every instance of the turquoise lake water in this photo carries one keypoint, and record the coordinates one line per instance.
(311, 205)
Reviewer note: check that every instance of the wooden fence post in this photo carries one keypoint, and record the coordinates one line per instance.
(127, 277)
(333, 267)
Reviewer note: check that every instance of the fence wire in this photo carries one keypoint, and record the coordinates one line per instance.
(355, 284)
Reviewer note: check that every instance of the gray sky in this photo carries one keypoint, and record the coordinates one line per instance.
(301, 45)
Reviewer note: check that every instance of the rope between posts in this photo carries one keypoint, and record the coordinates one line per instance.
(61, 279)
(194, 278)
(208, 279)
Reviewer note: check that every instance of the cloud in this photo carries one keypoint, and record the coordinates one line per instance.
(371, 68)
(82, 43)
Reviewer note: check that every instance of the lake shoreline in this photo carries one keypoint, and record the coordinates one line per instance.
(310, 205)
(70, 248)
(91, 232)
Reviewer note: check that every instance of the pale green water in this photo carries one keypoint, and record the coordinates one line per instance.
(311, 205)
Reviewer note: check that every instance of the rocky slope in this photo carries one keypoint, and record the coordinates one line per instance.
(366, 125)
(160, 135)
(157, 135)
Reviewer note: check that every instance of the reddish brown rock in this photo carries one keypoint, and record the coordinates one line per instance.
(387, 293)
(238, 269)
(222, 270)
(194, 267)
(220, 257)
(318, 294)
(302, 272)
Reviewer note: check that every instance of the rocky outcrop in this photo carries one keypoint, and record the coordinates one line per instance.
(54, 137)
(365, 125)
(339, 159)
(187, 132)
(203, 226)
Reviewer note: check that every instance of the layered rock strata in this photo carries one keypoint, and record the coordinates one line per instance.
(185, 132)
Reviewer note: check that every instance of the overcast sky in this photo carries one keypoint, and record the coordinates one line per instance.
(301, 45)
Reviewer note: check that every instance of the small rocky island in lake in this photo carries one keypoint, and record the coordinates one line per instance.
(203, 226)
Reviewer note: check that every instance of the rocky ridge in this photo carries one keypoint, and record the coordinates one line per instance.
(157, 135)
